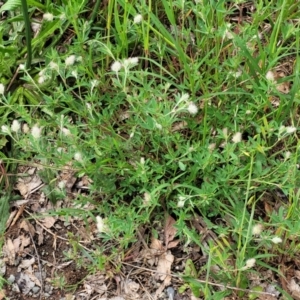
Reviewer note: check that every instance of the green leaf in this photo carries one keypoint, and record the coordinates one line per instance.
(10, 5)
(182, 166)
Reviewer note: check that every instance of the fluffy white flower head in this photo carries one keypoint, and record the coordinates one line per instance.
(158, 126)
(70, 60)
(66, 131)
(94, 83)
(133, 60)
(270, 76)
(78, 156)
(138, 19)
(192, 108)
(36, 132)
(250, 263)
(5, 129)
(116, 66)
(287, 154)
(2, 89)
(74, 73)
(181, 201)
(101, 226)
(147, 198)
(48, 17)
(237, 137)
(15, 126)
(25, 128)
(130, 62)
(257, 229)
(185, 97)
(42, 79)
(290, 129)
(276, 240)
(53, 66)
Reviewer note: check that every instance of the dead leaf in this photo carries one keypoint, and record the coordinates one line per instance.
(27, 227)
(283, 87)
(170, 230)
(21, 186)
(26, 263)
(2, 294)
(28, 185)
(9, 250)
(17, 243)
(33, 278)
(48, 222)
(40, 232)
(156, 245)
(294, 287)
(25, 241)
(164, 265)
(95, 283)
(130, 289)
(178, 126)
(173, 244)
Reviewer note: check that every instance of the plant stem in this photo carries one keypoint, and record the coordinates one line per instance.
(27, 33)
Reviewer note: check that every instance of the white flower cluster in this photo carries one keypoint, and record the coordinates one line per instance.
(16, 127)
(257, 230)
(127, 63)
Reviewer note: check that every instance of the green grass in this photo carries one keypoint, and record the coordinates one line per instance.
(131, 131)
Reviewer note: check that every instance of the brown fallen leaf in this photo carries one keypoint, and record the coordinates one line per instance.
(164, 266)
(48, 222)
(170, 230)
(27, 227)
(9, 251)
(2, 294)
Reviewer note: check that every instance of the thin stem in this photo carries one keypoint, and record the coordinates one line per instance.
(27, 33)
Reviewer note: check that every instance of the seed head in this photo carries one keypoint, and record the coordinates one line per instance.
(147, 198)
(5, 129)
(237, 137)
(74, 73)
(192, 108)
(66, 131)
(15, 126)
(53, 66)
(70, 60)
(257, 229)
(276, 240)
(181, 201)
(116, 66)
(36, 132)
(25, 128)
(290, 129)
(78, 156)
(250, 263)
(48, 17)
(101, 226)
(185, 97)
(42, 79)
(138, 19)
(270, 76)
